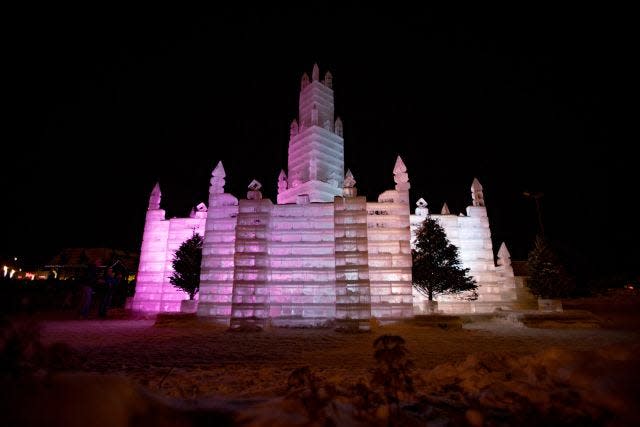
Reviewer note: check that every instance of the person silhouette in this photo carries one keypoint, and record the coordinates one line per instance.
(89, 282)
(110, 282)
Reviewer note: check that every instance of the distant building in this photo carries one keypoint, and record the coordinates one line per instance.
(72, 263)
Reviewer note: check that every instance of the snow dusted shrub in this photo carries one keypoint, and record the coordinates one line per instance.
(314, 395)
(366, 401)
(393, 370)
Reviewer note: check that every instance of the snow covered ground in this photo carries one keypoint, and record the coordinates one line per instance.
(492, 370)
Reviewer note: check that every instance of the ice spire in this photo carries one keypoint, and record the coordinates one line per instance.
(445, 210)
(217, 180)
(504, 257)
(349, 180)
(476, 193)
(293, 129)
(315, 74)
(400, 176)
(349, 185)
(282, 181)
(328, 79)
(156, 195)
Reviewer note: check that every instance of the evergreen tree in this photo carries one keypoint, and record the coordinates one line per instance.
(186, 266)
(547, 276)
(436, 266)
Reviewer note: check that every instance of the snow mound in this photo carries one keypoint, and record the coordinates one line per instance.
(556, 385)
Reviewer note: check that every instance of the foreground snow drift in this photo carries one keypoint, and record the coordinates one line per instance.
(554, 386)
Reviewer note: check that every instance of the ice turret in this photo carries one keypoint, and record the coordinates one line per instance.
(156, 196)
(316, 149)
(476, 193)
(217, 179)
(422, 209)
(254, 190)
(400, 176)
(349, 180)
(349, 185)
(504, 257)
(445, 210)
(282, 181)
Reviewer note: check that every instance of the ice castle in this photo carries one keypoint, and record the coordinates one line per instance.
(322, 252)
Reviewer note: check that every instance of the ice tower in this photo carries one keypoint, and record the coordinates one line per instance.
(316, 146)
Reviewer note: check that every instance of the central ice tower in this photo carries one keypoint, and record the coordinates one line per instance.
(316, 146)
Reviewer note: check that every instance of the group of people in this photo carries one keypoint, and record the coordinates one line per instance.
(92, 284)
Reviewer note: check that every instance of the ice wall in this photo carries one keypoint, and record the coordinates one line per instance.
(472, 235)
(302, 264)
(160, 240)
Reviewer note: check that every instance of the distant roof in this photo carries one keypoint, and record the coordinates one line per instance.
(100, 256)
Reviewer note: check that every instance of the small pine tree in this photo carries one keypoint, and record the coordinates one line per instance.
(436, 265)
(547, 276)
(186, 266)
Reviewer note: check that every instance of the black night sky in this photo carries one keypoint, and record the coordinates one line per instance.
(103, 103)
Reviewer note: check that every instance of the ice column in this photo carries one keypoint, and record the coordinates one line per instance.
(217, 272)
(353, 299)
(390, 251)
(250, 302)
(153, 257)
